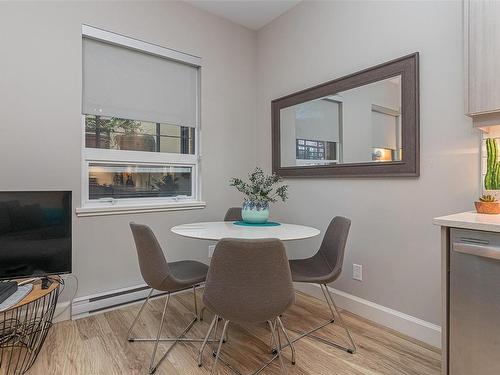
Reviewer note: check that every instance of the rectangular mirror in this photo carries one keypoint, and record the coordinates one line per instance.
(365, 124)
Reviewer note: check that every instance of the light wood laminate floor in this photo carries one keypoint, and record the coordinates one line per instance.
(97, 345)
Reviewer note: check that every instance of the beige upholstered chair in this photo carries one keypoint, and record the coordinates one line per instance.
(164, 277)
(233, 214)
(323, 268)
(249, 281)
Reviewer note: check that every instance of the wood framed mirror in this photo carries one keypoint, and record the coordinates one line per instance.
(365, 124)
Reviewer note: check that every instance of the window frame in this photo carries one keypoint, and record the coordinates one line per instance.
(110, 156)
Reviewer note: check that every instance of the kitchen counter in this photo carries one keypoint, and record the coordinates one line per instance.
(470, 220)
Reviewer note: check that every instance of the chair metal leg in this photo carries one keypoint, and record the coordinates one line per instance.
(277, 333)
(272, 343)
(324, 289)
(210, 329)
(273, 327)
(287, 337)
(216, 331)
(332, 306)
(226, 336)
(174, 340)
(167, 339)
(152, 367)
(138, 315)
(342, 323)
(202, 313)
(214, 366)
(195, 303)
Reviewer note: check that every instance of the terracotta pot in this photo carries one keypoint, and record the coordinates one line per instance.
(136, 142)
(91, 141)
(487, 207)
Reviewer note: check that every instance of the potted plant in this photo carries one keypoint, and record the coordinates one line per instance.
(132, 139)
(259, 191)
(487, 204)
(492, 175)
(117, 133)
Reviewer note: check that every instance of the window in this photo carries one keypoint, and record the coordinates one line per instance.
(315, 152)
(120, 134)
(126, 181)
(140, 112)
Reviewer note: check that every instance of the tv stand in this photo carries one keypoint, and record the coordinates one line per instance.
(24, 327)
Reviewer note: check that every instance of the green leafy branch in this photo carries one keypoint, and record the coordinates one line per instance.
(261, 188)
(112, 124)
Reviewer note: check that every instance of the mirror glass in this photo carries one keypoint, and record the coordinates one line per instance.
(360, 125)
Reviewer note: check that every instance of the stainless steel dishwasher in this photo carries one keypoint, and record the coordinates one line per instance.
(474, 347)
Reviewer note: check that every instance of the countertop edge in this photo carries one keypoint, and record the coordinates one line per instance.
(453, 221)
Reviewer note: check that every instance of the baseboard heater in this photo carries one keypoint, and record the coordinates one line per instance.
(97, 303)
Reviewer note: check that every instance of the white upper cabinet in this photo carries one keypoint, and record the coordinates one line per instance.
(482, 58)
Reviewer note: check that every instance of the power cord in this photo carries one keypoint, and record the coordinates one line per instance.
(63, 284)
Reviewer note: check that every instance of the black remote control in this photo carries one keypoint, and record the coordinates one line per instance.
(46, 282)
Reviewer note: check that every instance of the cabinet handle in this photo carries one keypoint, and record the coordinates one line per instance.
(491, 252)
(474, 240)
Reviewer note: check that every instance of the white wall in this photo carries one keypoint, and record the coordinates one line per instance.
(41, 129)
(392, 234)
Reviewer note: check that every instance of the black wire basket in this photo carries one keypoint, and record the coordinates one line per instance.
(23, 329)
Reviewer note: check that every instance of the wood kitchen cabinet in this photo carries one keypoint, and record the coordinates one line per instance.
(482, 60)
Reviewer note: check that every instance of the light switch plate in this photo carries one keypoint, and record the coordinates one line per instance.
(357, 272)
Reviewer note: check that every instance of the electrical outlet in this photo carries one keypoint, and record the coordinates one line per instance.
(211, 249)
(357, 272)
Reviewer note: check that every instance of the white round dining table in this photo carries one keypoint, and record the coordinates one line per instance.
(217, 230)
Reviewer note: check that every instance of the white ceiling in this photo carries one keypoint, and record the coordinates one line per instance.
(252, 14)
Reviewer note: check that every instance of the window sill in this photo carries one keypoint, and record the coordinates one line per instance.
(137, 209)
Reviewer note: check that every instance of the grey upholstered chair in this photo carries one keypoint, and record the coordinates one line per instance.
(249, 281)
(323, 268)
(164, 277)
(233, 214)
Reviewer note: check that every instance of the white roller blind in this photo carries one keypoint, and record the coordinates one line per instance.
(384, 130)
(130, 84)
(317, 120)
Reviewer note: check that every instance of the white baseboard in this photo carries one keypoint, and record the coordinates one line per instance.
(406, 324)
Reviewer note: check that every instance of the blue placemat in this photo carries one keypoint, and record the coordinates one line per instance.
(266, 224)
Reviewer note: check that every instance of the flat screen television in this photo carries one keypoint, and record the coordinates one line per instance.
(35, 233)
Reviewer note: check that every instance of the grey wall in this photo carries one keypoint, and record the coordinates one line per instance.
(392, 234)
(41, 128)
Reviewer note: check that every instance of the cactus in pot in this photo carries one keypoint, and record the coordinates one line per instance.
(487, 204)
(492, 177)
(487, 198)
